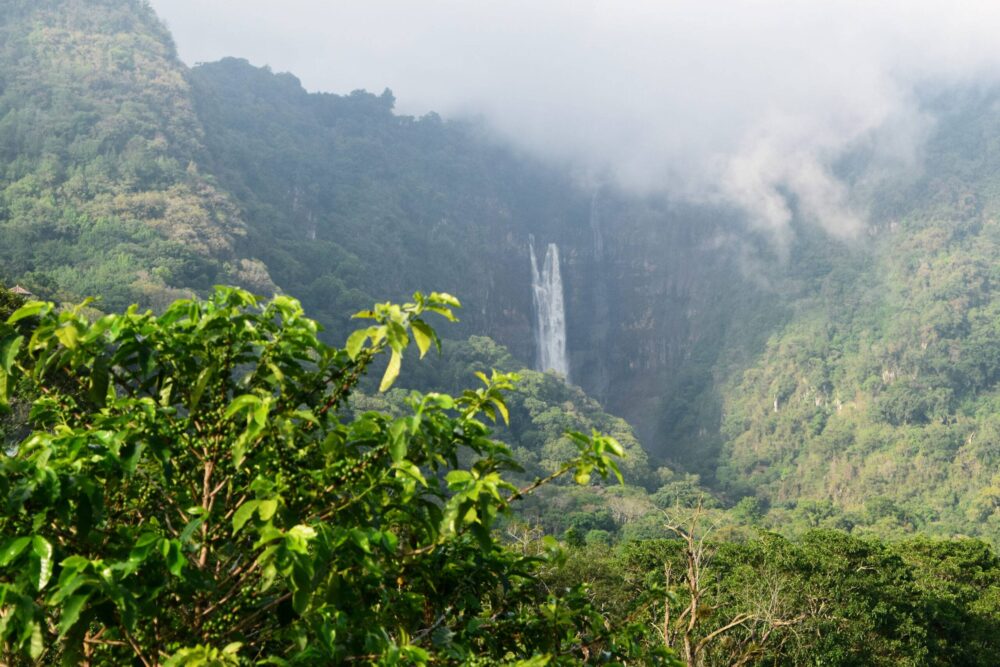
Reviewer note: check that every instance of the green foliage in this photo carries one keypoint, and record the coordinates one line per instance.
(542, 410)
(339, 528)
(826, 598)
(597, 536)
(100, 191)
(14, 417)
(885, 384)
(130, 177)
(195, 492)
(9, 302)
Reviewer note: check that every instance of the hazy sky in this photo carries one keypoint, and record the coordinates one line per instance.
(700, 98)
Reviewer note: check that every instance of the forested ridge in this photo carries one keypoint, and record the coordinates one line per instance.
(877, 401)
(99, 140)
(772, 453)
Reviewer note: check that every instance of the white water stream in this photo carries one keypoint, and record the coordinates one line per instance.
(550, 314)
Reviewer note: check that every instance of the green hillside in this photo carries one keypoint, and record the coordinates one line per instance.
(859, 376)
(345, 200)
(100, 188)
(880, 397)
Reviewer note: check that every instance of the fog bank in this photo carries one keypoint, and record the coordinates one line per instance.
(746, 102)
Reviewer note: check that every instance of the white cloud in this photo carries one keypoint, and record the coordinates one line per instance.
(749, 100)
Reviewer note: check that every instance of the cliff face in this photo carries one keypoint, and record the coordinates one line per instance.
(656, 294)
(347, 202)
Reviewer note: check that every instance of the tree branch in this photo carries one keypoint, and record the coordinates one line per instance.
(739, 620)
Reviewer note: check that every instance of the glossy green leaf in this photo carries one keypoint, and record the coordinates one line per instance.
(42, 550)
(8, 352)
(68, 336)
(174, 555)
(36, 643)
(99, 380)
(5, 391)
(189, 529)
(266, 509)
(355, 343)
(243, 514)
(199, 388)
(391, 371)
(502, 408)
(241, 403)
(423, 335)
(70, 613)
(445, 298)
(397, 440)
(12, 549)
(30, 309)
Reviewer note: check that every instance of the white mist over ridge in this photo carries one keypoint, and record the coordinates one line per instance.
(748, 103)
(550, 312)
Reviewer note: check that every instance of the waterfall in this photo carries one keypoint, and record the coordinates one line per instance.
(550, 315)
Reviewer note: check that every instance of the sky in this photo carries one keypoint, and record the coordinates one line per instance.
(744, 102)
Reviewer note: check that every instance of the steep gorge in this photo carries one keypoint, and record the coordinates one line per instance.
(833, 372)
(345, 199)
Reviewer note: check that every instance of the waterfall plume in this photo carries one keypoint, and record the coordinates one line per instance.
(550, 314)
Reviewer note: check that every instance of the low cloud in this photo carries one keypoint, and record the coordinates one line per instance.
(750, 102)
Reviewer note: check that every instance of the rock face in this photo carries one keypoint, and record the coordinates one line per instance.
(651, 294)
(347, 203)
(657, 298)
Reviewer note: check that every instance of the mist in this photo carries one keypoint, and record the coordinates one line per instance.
(747, 103)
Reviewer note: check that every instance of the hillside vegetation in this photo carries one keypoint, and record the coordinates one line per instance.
(346, 199)
(879, 399)
(100, 189)
(197, 491)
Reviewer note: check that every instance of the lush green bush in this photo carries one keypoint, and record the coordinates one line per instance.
(196, 491)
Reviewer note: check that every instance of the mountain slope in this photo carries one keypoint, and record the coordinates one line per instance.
(126, 175)
(349, 202)
(100, 192)
(880, 398)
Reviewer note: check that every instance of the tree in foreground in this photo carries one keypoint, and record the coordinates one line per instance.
(194, 493)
